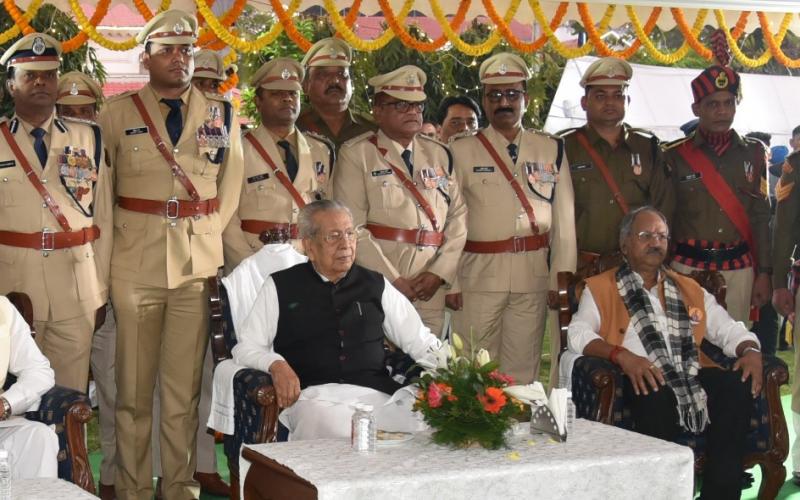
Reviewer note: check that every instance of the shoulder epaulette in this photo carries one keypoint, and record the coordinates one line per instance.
(755, 142)
(123, 95)
(216, 97)
(358, 138)
(567, 131)
(324, 140)
(431, 139)
(444, 147)
(644, 132)
(461, 135)
(72, 119)
(542, 132)
(677, 142)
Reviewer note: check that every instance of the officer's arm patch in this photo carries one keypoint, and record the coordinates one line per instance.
(782, 191)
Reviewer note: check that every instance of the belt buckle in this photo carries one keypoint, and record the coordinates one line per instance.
(173, 202)
(48, 240)
(519, 244)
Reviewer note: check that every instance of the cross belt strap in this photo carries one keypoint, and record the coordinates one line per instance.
(260, 226)
(171, 209)
(510, 178)
(419, 237)
(421, 201)
(512, 245)
(50, 240)
(604, 171)
(176, 169)
(282, 177)
(34, 179)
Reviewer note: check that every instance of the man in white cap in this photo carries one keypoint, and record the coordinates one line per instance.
(329, 89)
(78, 96)
(615, 168)
(398, 184)
(55, 215)
(208, 71)
(284, 168)
(177, 152)
(521, 226)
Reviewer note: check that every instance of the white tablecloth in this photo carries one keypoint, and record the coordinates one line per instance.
(598, 462)
(47, 489)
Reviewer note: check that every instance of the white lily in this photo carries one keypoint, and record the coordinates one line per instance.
(482, 357)
(457, 342)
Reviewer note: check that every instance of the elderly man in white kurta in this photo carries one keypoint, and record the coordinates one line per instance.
(32, 446)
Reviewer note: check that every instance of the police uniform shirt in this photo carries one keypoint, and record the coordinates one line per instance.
(787, 220)
(356, 123)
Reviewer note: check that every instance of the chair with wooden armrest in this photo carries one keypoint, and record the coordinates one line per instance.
(597, 390)
(67, 410)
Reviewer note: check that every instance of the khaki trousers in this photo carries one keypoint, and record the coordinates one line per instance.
(796, 389)
(508, 325)
(739, 289)
(102, 361)
(161, 333)
(67, 345)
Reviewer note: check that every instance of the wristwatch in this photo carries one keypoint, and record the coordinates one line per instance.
(6, 408)
(750, 348)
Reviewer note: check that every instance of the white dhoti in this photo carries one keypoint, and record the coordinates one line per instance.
(32, 448)
(325, 411)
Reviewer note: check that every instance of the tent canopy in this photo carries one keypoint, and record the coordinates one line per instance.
(661, 100)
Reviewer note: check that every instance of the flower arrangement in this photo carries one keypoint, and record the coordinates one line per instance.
(463, 400)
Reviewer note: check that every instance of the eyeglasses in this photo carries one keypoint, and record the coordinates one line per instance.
(405, 106)
(511, 95)
(647, 237)
(337, 236)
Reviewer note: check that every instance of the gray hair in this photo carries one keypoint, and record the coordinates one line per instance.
(626, 226)
(306, 226)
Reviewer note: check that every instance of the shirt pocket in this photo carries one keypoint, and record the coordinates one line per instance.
(12, 189)
(386, 192)
(487, 190)
(138, 154)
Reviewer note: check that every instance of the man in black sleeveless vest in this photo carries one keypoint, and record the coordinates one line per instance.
(325, 332)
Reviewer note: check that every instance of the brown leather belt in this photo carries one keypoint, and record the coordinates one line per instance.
(511, 245)
(260, 226)
(419, 237)
(171, 209)
(50, 240)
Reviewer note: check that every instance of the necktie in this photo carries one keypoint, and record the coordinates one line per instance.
(174, 119)
(291, 161)
(512, 152)
(39, 146)
(407, 160)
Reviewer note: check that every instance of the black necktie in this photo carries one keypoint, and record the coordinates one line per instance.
(512, 152)
(39, 146)
(174, 119)
(291, 161)
(407, 160)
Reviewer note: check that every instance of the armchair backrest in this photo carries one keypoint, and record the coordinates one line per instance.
(221, 331)
(23, 304)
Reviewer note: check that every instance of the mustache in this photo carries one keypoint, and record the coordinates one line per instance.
(334, 87)
(656, 251)
(503, 110)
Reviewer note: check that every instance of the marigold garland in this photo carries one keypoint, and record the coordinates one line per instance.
(92, 33)
(690, 37)
(234, 41)
(145, 11)
(563, 50)
(461, 45)
(512, 39)
(20, 20)
(78, 40)
(291, 30)
(775, 45)
(601, 47)
(652, 50)
(348, 34)
(14, 30)
(401, 32)
(208, 36)
(352, 14)
(737, 52)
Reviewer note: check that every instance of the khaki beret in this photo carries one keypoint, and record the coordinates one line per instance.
(281, 73)
(607, 71)
(171, 27)
(35, 52)
(504, 67)
(328, 52)
(406, 83)
(76, 87)
(208, 64)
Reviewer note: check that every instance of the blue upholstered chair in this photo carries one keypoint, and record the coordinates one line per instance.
(68, 411)
(597, 392)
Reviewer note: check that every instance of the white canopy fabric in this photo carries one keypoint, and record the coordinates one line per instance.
(774, 8)
(661, 102)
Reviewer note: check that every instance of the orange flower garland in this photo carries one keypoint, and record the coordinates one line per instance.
(78, 40)
(352, 14)
(738, 29)
(410, 41)
(289, 27)
(229, 84)
(18, 17)
(694, 43)
(603, 49)
(515, 42)
(228, 19)
(774, 45)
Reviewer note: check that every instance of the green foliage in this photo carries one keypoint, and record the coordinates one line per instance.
(54, 22)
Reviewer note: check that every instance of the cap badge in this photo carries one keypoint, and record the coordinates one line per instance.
(503, 69)
(74, 89)
(722, 80)
(411, 79)
(285, 74)
(178, 28)
(38, 46)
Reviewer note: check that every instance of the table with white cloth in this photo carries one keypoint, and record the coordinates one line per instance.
(47, 489)
(597, 462)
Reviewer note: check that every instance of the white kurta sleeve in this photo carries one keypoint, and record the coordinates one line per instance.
(404, 327)
(254, 347)
(29, 365)
(722, 330)
(584, 325)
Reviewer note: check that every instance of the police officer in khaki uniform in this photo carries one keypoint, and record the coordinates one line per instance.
(208, 71)
(329, 89)
(55, 211)
(517, 186)
(284, 168)
(786, 239)
(178, 160)
(721, 216)
(615, 168)
(78, 98)
(399, 184)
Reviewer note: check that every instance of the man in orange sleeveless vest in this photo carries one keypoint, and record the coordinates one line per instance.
(652, 322)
